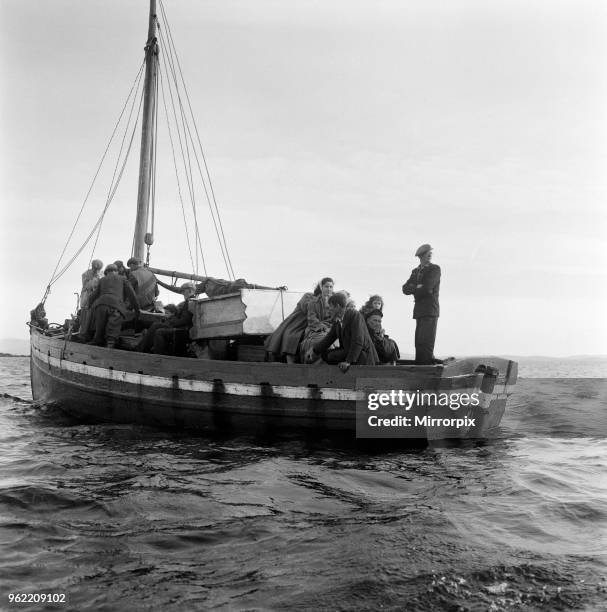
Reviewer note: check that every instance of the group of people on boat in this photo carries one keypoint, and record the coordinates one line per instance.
(105, 298)
(325, 325)
(112, 300)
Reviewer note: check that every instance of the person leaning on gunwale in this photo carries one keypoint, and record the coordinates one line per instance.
(350, 329)
(424, 285)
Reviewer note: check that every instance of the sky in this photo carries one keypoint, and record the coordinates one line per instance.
(339, 135)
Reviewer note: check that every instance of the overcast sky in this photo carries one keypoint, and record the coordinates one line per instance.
(340, 135)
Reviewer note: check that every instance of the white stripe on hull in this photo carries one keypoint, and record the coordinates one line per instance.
(203, 386)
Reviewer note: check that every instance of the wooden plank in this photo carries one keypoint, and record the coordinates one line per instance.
(321, 375)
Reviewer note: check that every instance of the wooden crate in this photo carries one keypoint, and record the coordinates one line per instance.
(249, 312)
(250, 352)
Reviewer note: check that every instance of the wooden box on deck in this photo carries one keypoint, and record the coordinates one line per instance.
(249, 312)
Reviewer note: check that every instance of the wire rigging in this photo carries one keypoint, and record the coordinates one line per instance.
(219, 230)
(192, 154)
(108, 202)
(170, 132)
(154, 158)
(180, 125)
(53, 277)
(112, 182)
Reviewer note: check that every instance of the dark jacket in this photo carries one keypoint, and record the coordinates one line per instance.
(113, 290)
(182, 318)
(387, 349)
(353, 336)
(426, 297)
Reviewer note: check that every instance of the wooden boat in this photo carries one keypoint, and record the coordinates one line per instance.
(244, 392)
(102, 384)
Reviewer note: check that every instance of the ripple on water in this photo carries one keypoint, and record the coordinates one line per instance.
(131, 517)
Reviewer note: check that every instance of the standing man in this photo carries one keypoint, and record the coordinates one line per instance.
(424, 285)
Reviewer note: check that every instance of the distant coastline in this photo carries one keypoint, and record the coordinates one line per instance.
(11, 355)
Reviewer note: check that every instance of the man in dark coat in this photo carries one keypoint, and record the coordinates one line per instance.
(387, 349)
(109, 307)
(161, 336)
(424, 285)
(350, 329)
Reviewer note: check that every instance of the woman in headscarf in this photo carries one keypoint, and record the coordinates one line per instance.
(375, 302)
(318, 318)
(284, 341)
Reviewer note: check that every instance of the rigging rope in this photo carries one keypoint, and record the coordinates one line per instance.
(184, 155)
(155, 145)
(186, 133)
(149, 235)
(124, 135)
(182, 120)
(222, 238)
(53, 277)
(109, 201)
(185, 223)
(151, 217)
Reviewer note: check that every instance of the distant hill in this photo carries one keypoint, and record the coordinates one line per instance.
(14, 346)
(545, 358)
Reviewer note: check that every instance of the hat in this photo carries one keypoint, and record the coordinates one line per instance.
(133, 261)
(188, 285)
(375, 311)
(424, 248)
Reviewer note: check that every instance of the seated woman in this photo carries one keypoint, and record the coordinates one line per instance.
(318, 318)
(387, 349)
(375, 302)
(284, 341)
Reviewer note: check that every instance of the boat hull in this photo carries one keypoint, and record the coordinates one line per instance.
(100, 384)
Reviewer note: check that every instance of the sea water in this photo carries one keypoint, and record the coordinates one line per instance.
(123, 517)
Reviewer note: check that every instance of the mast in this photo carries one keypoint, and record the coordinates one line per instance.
(147, 136)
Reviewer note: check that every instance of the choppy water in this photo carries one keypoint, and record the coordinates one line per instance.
(129, 518)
